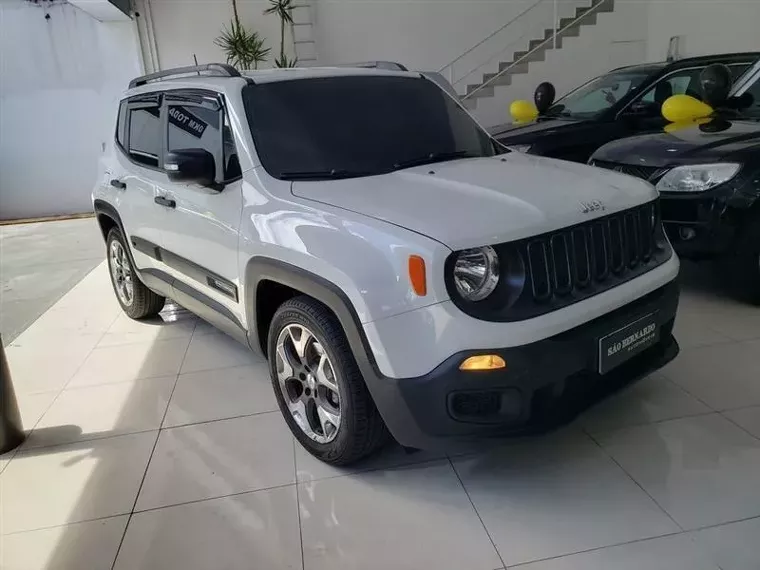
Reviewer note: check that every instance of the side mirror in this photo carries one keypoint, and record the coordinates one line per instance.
(195, 165)
(643, 109)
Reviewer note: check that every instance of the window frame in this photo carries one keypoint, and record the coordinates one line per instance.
(652, 86)
(140, 102)
(190, 97)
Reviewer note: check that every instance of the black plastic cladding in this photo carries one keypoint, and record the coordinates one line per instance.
(563, 267)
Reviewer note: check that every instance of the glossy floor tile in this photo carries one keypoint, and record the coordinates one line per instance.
(254, 530)
(91, 545)
(746, 418)
(173, 322)
(670, 553)
(653, 478)
(723, 376)
(220, 458)
(408, 518)
(732, 546)
(105, 410)
(211, 351)
(126, 362)
(72, 483)
(309, 468)
(651, 400)
(702, 470)
(557, 495)
(222, 393)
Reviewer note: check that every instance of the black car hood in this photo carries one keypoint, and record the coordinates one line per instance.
(711, 141)
(525, 133)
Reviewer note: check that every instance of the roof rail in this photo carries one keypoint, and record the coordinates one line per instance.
(221, 69)
(390, 65)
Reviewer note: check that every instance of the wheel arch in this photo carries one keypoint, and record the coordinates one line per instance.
(268, 279)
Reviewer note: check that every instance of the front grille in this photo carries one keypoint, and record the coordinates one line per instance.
(645, 172)
(591, 254)
(550, 271)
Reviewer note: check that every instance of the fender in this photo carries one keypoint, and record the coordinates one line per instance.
(267, 269)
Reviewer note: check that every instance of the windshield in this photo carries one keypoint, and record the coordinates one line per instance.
(748, 104)
(598, 95)
(345, 126)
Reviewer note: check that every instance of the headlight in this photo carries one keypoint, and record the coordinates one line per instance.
(519, 147)
(476, 273)
(697, 177)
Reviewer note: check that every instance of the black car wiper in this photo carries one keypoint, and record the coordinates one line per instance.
(333, 174)
(434, 157)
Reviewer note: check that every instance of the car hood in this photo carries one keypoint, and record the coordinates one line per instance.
(479, 201)
(710, 141)
(525, 133)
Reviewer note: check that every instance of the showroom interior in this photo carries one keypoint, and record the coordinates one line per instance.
(154, 440)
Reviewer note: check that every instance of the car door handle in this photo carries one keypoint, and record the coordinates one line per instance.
(118, 184)
(162, 201)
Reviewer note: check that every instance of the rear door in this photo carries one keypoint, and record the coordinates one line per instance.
(201, 228)
(137, 176)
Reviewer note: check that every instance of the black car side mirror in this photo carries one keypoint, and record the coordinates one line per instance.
(195, 165)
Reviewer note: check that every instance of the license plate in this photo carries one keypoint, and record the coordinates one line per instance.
(625, 343)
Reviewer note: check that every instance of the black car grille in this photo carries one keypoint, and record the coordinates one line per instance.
(645, 172)
(563, 267)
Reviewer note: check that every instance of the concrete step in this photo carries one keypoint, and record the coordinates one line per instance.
(485, 92)
(521, 67)
(502, 80)
(523, 57)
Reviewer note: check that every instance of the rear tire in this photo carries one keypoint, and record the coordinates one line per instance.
(748, 262)
(304, 326)
(136, 300)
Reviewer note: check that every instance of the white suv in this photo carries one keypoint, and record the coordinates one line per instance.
(401, 272)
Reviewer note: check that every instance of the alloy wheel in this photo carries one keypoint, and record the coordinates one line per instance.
(308, 383)
(121, 273)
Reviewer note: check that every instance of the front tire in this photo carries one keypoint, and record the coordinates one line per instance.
(137, 301)
(318, 385)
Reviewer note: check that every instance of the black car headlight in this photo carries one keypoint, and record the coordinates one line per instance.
(476, 273)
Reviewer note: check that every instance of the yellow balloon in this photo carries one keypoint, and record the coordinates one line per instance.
(523, 111)
(682, 108)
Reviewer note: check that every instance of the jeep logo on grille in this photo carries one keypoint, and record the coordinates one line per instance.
(592, 206)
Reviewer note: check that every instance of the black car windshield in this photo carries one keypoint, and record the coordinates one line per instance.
(595, 97)
(357, 125)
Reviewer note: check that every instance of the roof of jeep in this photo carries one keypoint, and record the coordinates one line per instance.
(222, 83)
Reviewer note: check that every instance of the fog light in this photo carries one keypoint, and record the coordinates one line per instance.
(483, 362)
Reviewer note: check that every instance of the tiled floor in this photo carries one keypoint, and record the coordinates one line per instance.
(158, 446)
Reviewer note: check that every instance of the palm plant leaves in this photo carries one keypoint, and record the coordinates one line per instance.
(243, 49)
(283, 10)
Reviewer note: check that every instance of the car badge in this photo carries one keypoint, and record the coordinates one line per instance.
(592, 206)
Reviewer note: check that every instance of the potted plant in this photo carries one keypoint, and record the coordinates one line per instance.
(244, 49)
(283, 10)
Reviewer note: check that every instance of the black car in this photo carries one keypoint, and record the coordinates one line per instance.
(622, 103)
(709, 181)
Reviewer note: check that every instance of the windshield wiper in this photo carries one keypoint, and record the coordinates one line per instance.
(435, 157)
(333, 174)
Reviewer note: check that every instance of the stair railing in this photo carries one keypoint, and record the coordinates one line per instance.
(448, 69)
(557, 32)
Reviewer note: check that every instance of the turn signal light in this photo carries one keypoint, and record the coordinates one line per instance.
(417, 275)
(483, 362)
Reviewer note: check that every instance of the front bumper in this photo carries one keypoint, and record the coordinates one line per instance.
(545, 384)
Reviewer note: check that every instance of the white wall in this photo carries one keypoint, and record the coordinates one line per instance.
(59, 80)
(707, 26)
(618, 38)
(184, 27)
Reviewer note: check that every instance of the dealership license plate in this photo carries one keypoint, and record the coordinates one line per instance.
(625, 343)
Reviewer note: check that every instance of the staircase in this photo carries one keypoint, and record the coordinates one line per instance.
(475, 82)
(304, 46)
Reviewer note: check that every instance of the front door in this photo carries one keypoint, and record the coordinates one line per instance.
(201, 230)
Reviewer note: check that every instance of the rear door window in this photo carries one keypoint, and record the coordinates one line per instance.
(145, 135)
